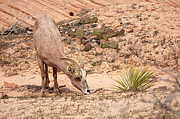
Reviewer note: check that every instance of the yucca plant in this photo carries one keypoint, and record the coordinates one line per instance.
(135, 79)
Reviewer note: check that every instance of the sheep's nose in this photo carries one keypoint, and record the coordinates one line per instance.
(89, 91)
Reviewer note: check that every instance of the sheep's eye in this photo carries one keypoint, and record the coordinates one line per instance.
(78, 78)
(70, 69)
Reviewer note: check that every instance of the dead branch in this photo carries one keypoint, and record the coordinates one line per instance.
(162, 105)
(11, 29)
(97, 90)
(62, 86)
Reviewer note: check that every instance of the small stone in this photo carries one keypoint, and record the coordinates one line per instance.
(93, 25)
(161, 88)
(84, 40)
(88, 47)
(98, 42)
(133, 6)
(153, 9)
(76, 23)
(155, 33)
(83, 12)
(137, 16)
(99, 26)
(121, 32)
(87, 33)
(73, 30)
(98, 54)
(3, 96)
(131, 30)
(116, 24)
(128, 23)
(97, 63)
(92, 40)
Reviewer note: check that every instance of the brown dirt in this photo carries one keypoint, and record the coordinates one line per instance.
(151, 39)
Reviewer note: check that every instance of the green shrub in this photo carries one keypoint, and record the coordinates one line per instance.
(89, 20)
(78, 32)
(112, 44)
(135, 79)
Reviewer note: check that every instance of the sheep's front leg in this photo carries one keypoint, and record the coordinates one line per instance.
(43, 75)
(56, 87)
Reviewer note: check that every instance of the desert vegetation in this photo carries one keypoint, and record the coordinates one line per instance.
(135, 79)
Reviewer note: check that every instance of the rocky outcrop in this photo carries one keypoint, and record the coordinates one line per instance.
(25, 12)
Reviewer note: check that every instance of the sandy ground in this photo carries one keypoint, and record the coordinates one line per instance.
(25, 100)
(151, 30)
(95, 81)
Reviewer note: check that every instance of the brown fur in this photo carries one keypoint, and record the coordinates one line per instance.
(50, 52)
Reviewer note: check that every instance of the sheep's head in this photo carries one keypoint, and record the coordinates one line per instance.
(77, 74)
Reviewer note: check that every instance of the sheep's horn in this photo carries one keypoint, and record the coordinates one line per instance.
(81, 60)
(73, 61)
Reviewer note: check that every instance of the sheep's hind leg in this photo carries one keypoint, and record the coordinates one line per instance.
(43, 75)
(47, 77)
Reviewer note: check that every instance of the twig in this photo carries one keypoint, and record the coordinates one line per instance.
(2, 32)
(62, 86)
(97, 90)
(162, 105)
(12, 28)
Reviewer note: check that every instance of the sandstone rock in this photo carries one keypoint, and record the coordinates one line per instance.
(10, 85)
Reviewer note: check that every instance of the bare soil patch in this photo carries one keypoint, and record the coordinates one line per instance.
(151, 38)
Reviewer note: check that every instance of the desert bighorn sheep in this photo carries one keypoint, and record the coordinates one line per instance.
(50, 52)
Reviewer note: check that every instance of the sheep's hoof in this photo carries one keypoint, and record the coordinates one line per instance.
(56, 91)
(42, 92)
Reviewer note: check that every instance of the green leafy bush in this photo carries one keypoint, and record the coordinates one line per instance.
(135, 79)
